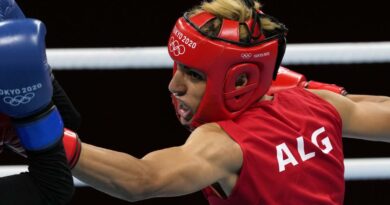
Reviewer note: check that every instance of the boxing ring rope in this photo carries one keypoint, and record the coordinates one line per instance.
(296, 54)
(157, 57)
(355, 169)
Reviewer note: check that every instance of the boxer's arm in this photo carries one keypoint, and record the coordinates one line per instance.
(201, 161)
(286, 79)
(368, 98)
(362, 119)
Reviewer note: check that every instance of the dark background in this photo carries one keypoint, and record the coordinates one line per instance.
(130, 110)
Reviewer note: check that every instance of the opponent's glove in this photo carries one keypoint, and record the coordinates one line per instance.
(9, 9)
(9, 139)
(288, 79)
(25, 84)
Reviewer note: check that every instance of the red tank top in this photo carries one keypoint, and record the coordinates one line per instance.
(292, 152)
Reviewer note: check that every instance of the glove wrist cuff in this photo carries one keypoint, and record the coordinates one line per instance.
(43, 131)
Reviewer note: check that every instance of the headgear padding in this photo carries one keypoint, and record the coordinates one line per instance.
(222, 59)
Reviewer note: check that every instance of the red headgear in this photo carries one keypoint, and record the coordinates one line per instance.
(222, 59)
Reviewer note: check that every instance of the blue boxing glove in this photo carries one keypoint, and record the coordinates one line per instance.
(9, 9)
(25, 84)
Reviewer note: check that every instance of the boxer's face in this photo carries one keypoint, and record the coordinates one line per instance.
(187, 86)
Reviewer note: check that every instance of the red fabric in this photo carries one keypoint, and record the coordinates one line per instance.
(218, 59)
(293, 117)
(9, 138)
(72, 146)
(288, 79)
(325, 86)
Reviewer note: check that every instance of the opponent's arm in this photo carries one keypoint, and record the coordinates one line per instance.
(69, 114)
(367, 118)
(208, 156)
(9, 138)
(26, 98)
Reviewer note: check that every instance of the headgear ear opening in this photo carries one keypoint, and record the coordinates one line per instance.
(235, 98)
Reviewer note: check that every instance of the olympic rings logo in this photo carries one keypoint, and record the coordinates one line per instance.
(246, 55)
(176, 48)
(19, 99)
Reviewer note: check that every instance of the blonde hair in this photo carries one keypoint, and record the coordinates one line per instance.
(233, 10)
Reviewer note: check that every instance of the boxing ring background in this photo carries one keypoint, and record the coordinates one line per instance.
(110, 59)
(142, 59)
(298, 54)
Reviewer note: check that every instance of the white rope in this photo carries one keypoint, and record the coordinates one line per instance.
(337, 53)
(109, 58)
(296, 54)
(366, 169)
(16, 169)
(355, 169)
(157, 57)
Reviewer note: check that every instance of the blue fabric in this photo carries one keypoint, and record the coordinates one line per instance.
(41, 133)
(9, 9)
(25, 81)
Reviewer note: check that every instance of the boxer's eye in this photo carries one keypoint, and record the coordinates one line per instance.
(193, 73)
(196, 75)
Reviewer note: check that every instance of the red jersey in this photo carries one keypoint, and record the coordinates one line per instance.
(292, 152)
